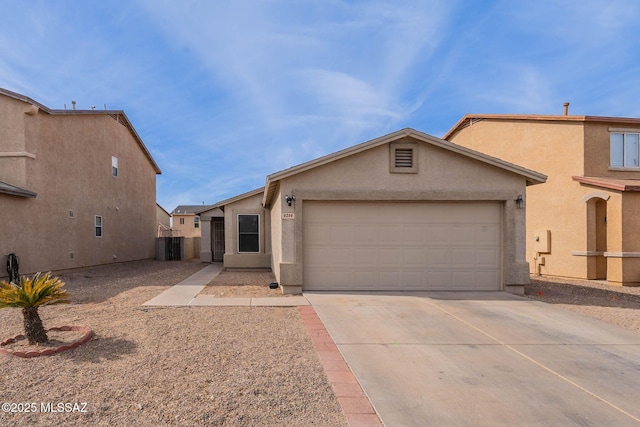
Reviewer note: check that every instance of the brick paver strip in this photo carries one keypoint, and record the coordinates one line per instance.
(354, 402)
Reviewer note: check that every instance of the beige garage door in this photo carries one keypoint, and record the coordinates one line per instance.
(401, 246)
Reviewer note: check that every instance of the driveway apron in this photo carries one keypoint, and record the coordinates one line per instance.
(484, 359)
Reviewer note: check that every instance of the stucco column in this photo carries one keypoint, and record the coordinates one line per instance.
(290, 277)
(205, 242)
(516, 272)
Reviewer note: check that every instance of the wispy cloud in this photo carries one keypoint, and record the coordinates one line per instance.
(225, 93)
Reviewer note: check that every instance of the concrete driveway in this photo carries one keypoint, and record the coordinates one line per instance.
(484, 359)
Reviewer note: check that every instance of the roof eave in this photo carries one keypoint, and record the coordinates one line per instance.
(538, 117)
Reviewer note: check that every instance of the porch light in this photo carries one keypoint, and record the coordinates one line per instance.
(289, 199)
(519, 202)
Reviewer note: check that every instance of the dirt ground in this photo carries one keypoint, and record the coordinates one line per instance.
(243, 284)
(165, 366)
(614, 304)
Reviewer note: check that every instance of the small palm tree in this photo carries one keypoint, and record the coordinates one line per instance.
(29, 295)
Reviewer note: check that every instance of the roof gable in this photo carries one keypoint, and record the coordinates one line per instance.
(273, 179)
(117, 115)
(190, 209)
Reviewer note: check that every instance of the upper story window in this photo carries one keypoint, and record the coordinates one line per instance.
(248, 233)
(98, 224)
(625, 150)
(114, 166)
(181, 221)
(196, 222)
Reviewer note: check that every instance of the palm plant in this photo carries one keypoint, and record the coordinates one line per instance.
(29, 295)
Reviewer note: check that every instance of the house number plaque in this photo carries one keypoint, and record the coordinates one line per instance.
(288, 215)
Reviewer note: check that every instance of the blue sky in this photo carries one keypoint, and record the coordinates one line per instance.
(225, 93)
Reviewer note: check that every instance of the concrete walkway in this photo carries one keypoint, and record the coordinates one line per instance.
(186, 293)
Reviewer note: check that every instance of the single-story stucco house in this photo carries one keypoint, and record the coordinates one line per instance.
(403, 212)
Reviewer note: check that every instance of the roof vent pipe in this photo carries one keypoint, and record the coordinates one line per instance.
(566, 108)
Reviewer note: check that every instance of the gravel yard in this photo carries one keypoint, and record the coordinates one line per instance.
(213, 366)
(614, 304)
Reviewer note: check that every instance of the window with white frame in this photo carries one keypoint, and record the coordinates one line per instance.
(181, 221)
(248, 233)
(114, 166)
(625, 150)
(196, 222)
(98, 224)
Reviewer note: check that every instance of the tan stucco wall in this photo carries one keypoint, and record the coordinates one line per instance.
(597, 153)
(187, 229)
(14, 157)
(442, 175)
(72, 172)
(559, 149)
(233, 259)
(162, 217)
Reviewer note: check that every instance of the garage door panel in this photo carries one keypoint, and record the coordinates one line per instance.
(438, 257)
(460, 279)
(438, 233)
(488, 257)
(488, 234)
(388, 233)
(401, 246)
(486, 280)
(366, 256)
(413, 258)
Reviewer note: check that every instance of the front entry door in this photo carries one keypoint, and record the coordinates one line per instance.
(217, 239)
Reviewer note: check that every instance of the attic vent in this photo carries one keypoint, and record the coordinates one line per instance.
(404, 158)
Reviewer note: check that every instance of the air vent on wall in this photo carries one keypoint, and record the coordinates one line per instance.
(404, 158)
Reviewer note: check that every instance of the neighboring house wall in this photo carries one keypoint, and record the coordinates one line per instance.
(185, 225)
(164, 221)
(65, 157)
(593, 234)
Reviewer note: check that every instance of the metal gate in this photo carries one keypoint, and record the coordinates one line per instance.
(170, 248)
(217, 239)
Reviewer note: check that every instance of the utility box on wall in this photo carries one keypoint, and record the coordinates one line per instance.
(542, 241)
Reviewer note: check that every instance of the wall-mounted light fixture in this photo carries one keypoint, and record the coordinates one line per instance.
(289, 199)
(519, 201)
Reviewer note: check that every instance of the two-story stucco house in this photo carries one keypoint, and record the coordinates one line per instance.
(77, 187)
(406, 211)
(584, 221)
(185, 221)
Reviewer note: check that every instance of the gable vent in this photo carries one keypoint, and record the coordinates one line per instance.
(404, 158)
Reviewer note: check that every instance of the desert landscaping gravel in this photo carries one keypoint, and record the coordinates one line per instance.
(188, 366)
(202, 366)
(613, 304)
